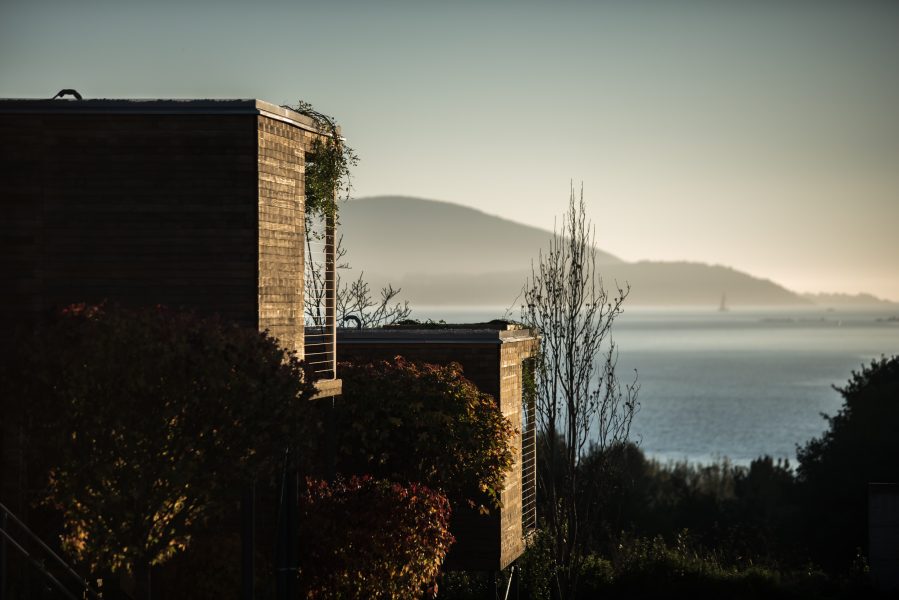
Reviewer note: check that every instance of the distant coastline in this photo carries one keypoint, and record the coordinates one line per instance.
(465, 257)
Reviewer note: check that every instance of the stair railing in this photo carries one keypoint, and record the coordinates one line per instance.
(6, 515)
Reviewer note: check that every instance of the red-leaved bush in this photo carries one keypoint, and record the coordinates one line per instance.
(370, 538)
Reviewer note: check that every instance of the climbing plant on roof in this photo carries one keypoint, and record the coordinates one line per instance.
(328, 165)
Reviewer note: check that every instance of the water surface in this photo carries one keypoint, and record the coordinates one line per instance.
(737, 384)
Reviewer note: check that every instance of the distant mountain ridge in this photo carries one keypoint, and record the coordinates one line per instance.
(840, 300)
(446, 254)
(414, 235)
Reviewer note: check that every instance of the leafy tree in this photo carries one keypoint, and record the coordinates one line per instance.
(860, 447)
(579, 399)
(369, 538)
(408, 421)
(146, 421)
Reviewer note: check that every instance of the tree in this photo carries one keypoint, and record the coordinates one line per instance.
(580, 402)
(834, 470)
(354, 298)
(148, 422)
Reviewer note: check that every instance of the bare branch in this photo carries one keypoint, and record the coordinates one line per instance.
(580, 402)
(354, 298)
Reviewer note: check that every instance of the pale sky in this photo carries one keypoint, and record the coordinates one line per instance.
(761, 135)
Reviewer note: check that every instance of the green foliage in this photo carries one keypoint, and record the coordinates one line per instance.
(146, 422)
(409, 421)
(651, 567)
(369, 538)
(640, 557)
(741, 511)
(650, 564)
(466, 585)
(538, 567)
(860, 447)
(597, 574)
(328, 166)
(533, 579)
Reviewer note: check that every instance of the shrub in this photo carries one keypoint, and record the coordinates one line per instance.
(468, 585)
(597, 575)
(537, 567)
(653, 566)
(369, 538)
(741, 511)
(408, 421)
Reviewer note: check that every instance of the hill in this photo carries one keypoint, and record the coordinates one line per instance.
(848, 300)
(421, 236)
(445, 254)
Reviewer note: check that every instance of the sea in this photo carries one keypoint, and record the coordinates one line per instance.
(736, 384)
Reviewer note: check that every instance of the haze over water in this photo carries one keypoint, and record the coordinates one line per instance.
(737, 384)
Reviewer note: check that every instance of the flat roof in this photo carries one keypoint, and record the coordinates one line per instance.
(252, 106)
(448, 334)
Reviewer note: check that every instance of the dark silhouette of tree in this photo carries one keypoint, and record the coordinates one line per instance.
(355, 300)
(861, 447)
(145, 423)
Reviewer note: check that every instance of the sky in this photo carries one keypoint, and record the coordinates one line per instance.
(760, 135)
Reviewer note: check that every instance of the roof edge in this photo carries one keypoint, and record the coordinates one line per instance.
(160, 107)
(450, 335)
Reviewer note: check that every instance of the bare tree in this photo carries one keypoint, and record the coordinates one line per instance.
(354, 298)
(580, 402)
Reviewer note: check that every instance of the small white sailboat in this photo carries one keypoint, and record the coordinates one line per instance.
(723, 306)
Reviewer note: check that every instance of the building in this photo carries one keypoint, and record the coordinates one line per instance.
(201, 204)
(195, 203)
(493, 356)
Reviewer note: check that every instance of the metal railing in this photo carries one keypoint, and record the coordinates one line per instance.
(320, 299)
(38, 556)
(528, 460)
